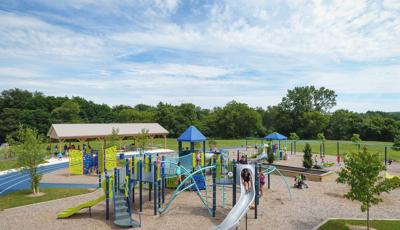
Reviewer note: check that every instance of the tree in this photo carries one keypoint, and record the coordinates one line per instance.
(113, 139)
(270, 154)
(67, 112)
(356, 138)
(396, 143)
(308, 99)
(307, 158)
(30, 149)
(142, 138)
(321, 137)
(212, 143)
(294, 136)
(362, 173)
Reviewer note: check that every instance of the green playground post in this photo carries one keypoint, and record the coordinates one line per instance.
(107, 195)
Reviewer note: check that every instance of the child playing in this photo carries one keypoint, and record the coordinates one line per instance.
(198, 159)
(338, 159)
(178, 173)
(262, 182)
(245, 174)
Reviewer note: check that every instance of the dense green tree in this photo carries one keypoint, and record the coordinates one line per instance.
(238, 120)
(68, 112)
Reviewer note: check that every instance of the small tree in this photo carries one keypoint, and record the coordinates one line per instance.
(112, 140)
(293, 136)
(307, 158)
(356, 138)
(30, 149)
(212, 143)
(270, 155)
(143, 138)
(321, 137)
(361, 173)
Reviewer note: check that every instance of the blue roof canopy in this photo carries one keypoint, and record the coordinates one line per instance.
(192, 134)
(275, 136)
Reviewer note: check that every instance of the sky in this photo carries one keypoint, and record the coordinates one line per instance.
(204, 52)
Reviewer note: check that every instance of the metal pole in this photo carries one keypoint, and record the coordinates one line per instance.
(155, 187)
(269, 181)
(234, 183)
(385, 155)
(140, 170)
(337, 148)
(99, 180)
(257, 190)
(163, 180)
(294, 147)
(246, 220)
(107, 196)
(214, 192)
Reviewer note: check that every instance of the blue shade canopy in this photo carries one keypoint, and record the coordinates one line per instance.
(192, 134)
(275, 136)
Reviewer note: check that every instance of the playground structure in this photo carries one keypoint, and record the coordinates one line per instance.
(124, 186)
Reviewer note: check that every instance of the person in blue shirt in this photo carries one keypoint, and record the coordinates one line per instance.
(178, 173)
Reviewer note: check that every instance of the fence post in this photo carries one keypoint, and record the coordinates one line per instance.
(295, 150)
(337, 148)
(385, 155)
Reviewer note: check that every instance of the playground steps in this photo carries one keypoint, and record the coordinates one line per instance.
(122, 217)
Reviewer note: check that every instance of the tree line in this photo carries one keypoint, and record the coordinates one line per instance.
(305, 111)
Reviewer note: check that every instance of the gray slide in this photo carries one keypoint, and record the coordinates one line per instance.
(242, 206)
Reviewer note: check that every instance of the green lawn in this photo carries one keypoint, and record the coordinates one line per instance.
(330, 146)
(7, 164)
(377, 224)
(20, 198)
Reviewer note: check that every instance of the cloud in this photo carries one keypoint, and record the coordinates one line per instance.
(205, 52)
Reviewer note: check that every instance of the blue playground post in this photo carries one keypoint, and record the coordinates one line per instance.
(256, 178)
(133, 179)
(214, 191)
(140, 186)
(234, 183)
(107, 195)
(269, 181)
(155, 187)
(163, 179)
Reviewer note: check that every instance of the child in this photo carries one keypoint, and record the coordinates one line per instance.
(178, 173)
(338, 159)
(262, 182)
(245, 174)
(198, 159)
(60, 156)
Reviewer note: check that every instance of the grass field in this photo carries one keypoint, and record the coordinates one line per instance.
(377, 224)
(8, 164)
(330, 146)
(21, 198)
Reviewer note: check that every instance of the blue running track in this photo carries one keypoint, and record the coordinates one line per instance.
(15, 181)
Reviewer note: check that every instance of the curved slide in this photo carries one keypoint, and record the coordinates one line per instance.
(71, 211)
(243, 205)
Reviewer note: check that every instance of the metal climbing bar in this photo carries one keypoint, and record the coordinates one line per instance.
(178, 189)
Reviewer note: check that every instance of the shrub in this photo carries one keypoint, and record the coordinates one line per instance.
(356, 138)
(307, 158)
(270, 155)
(294, 136)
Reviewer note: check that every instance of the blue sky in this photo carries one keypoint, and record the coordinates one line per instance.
(205, 52)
